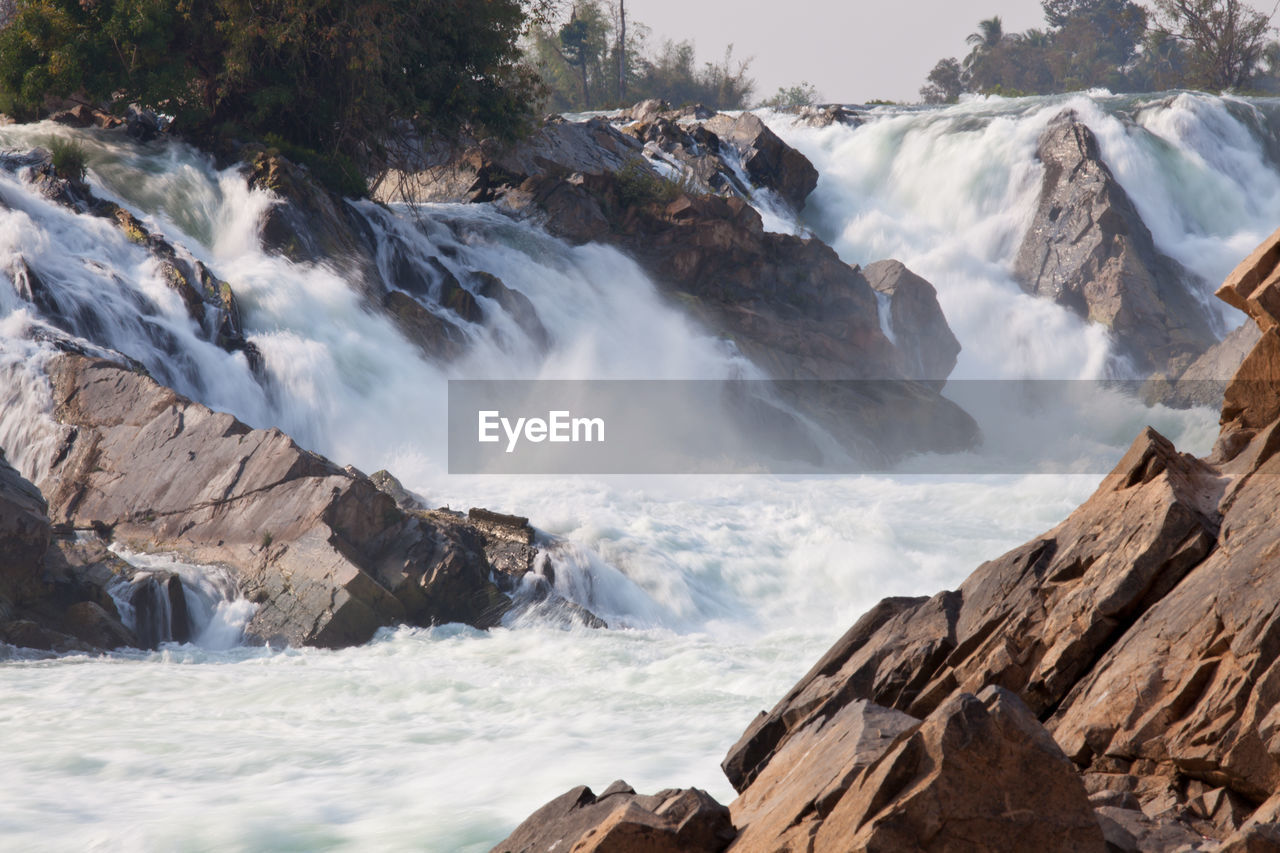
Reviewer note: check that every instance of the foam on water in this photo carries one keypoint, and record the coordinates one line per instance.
(727, 588)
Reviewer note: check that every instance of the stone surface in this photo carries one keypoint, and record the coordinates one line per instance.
(620, 821)
(1205, 380)
(328, 557)
(767, 159)
(24, 537)
(977, 769)
(1089, 250)
(920, 332)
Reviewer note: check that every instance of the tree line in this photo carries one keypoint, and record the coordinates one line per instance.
(1121, 45)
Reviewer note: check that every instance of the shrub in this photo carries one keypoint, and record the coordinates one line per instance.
(68, 160)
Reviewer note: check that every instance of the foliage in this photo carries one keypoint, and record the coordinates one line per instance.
(803, 94)
(583, 64)
(68, 160)
(338, 77)
(1216, 44)
(639, 185)
(1116, 44)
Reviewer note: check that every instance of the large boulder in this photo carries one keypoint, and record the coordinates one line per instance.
(979, 768)
(1089, 250)
(920, 331)
(767, 159)
(621, 821)
(328, 557)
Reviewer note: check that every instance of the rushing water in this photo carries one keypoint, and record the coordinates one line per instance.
(726, 589)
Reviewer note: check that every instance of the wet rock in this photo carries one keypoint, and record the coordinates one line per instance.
(516, 305)
(1089, 250)
(767, 159)
(1205, 381)
(91, 624)
(920, 331)
(438, 338)
(160, 609)
(328, 557)
(142, 124)
(817, 116)
(621, 821)
(24, 536)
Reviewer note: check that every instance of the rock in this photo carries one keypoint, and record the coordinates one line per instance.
(91, 624)
(1088, 250)
(388, 484)
(978, 768)
(1204, 382)
(620, 821)
(1251, 286)
(1132, 831)
(1032, 621)
(815, 116)
(141, 124)
(160, 609)
(328, 557)
(438, 339)
(27, 634)
(767, 159)
(920, 331)
(516, 305)
(785, 805)
(24, 537)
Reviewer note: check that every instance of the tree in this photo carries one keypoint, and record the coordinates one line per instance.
(801, 95)
(336, 77)
(990, 33)
(1222, 41)
(946, 83)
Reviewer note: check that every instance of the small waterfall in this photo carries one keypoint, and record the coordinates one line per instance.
(169, 601)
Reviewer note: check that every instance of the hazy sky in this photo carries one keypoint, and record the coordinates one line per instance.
(852, 50)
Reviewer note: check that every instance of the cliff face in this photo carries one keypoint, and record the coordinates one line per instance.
(1118, 677)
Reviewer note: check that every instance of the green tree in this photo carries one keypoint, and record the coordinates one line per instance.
(338, 77)
(1222, 42)
(945, 84)
(802, 94)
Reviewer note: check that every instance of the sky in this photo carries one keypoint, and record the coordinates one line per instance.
(852, 51)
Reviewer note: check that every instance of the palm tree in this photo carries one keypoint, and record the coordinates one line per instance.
(990, 33)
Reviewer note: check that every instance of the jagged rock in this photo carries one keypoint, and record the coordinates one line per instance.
(815, 116)
(84, 116)
(786, 803)
(1129, 830)
(517, 306)
(160, 609)
(767, 159)
(327, 556)
(978, 768)
(621, 821)
(1088, 250)
(387, 483)
(1205, 381)
(142, 124)
(1033, 621)
(88, 622)
(24, 537)
(437, 338)
(920, 331)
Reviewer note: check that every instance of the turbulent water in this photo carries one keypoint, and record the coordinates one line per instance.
(722, 591)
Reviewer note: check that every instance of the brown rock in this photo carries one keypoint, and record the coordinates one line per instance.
(977, 769)
(620, 821)
(90, 623)
(328, 556)
(24, 537)
(920, 330)
(1088, 250)
(785, 805)
(767, 159)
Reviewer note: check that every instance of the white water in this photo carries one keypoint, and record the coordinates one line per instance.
(444, 739)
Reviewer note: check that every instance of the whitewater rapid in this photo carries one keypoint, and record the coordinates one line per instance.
(722, 590)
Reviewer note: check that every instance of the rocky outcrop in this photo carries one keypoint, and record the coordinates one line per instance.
(788, 303)
(1131, 653)
(1205, 380)
(924, 341)
(621, 821)
(1089, 250)
(328, 557)
(210, 302)
(768, 160)
(24, 536)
